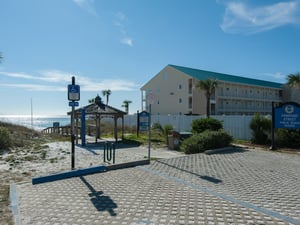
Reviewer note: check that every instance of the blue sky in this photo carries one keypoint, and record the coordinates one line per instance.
(121, 44)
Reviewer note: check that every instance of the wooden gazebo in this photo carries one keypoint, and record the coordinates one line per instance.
(97, 111)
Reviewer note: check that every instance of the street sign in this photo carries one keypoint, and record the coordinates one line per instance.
(287, 116)
(150, 98)
(144, 121)
(73, 92)
(73, 103)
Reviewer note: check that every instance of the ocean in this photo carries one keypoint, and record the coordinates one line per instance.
(37, 122)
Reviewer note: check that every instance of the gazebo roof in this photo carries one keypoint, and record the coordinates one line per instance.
(95, 109)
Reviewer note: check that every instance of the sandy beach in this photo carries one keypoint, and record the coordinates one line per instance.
(56, 156)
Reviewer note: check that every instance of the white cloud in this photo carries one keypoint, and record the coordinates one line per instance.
(62, 79)
(16, 75)
(34, 87)
(120, 21)
(87, 5)
(48, 76)
(277, 76)
(242, 18)
(127, 41)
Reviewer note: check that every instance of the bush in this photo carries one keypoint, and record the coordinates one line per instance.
(5, 140)
(157, 126)
(287, 138)
(261, 128)
(206, 140)
(167, 128)
(200, 125)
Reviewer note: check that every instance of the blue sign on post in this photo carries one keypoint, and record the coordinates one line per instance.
(287, 116)
(144, 121)
(73, 103)
(73, 92)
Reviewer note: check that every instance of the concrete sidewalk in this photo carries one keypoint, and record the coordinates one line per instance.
(233, 187)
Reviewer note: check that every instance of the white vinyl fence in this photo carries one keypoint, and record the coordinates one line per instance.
(236, 126)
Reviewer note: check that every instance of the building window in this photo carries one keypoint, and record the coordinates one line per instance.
(165, 76)
(190, 102)
(190, 86)
(179, 86)
(180, 100)
(158, 102)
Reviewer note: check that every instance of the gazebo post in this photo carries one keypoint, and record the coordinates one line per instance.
(116, 127)
(122, 128)
(97, 126)
(77, 125)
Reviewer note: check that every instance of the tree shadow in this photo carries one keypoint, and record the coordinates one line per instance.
(232, 150)
(100, 201)
(204, 177)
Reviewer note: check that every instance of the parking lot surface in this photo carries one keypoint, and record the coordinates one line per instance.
(237, 186)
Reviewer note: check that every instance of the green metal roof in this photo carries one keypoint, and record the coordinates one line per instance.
(202, 75)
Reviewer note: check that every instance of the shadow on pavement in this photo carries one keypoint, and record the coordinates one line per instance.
(100, 201)
(99, 146)
(226, 150)
(207, 178)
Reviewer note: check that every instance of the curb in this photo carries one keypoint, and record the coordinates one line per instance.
(129, 164)
(69, 174)
(87, 171)
(14, 203)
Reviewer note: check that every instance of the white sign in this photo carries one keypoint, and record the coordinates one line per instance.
(73, 92)
(150, 98)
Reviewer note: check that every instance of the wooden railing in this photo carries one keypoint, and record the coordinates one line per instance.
(63, 130)
(66, 130)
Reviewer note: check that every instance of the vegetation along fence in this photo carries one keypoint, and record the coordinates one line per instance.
(236, 126)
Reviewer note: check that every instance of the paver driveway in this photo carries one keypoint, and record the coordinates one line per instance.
(234, 187)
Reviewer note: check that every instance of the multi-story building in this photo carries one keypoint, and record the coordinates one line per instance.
(173, 91)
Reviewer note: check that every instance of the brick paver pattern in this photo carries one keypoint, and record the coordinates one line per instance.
(172, 191)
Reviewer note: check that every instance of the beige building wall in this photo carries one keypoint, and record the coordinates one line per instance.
(235, 98)
(175, 93)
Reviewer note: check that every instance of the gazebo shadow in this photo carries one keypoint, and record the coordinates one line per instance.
(93, 147)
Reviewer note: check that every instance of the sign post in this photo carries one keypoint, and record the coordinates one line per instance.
(73, 96)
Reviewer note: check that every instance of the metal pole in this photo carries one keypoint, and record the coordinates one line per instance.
(149, 138)
(273, 147)
(72, 132)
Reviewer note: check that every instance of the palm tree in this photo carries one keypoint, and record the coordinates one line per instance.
(126, 105)
(209, 86)
(106, 93)
(294, 80)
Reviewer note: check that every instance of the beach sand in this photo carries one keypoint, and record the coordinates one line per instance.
(56, 157)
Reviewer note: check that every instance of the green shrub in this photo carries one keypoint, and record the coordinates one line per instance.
(167, 128)
(261, 128)
(200, 125)
(287, 138)
(206, 140)
(5, 140)
(157, 126)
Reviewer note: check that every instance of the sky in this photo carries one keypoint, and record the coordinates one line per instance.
(121, 44)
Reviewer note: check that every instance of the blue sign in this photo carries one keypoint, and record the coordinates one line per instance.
(287, 116)
(73, 92)
(73, 103)
(144, 118)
